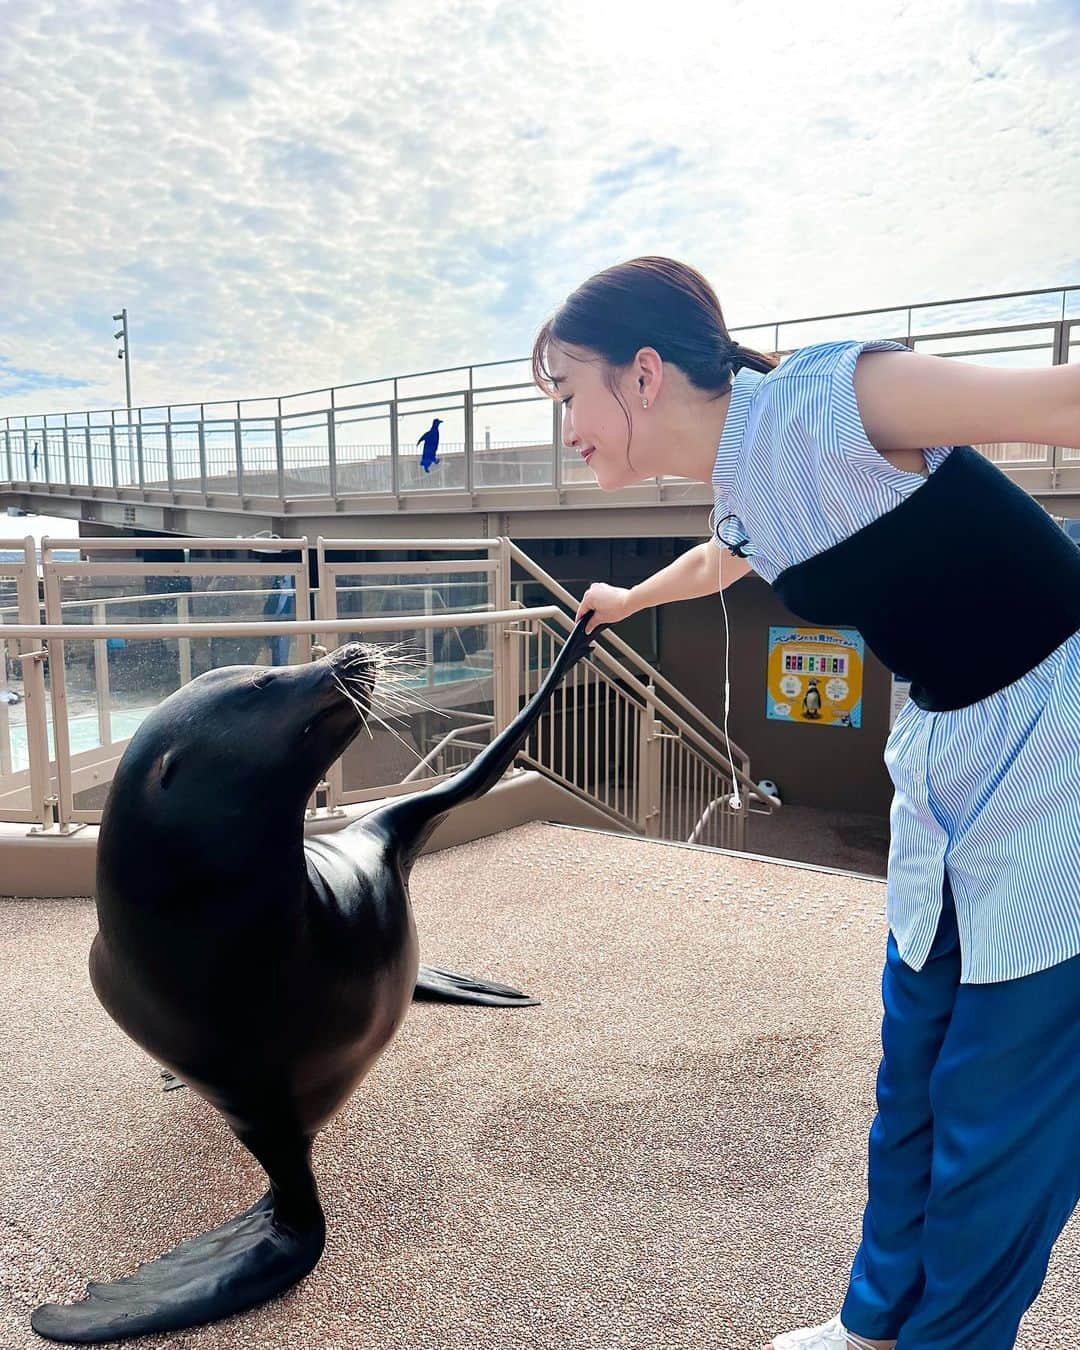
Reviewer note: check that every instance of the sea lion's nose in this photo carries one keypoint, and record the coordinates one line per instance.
(351, 654)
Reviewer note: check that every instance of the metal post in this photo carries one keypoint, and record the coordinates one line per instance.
(395, 458)
(326, 606)
(58, 697)
(183, 615)
(112, 451)
(1061, 343)
(429, 635)
(202, 454)
(89, 457)
(125, 355)
(1062, 332)
(67, 454)
(331, 451)
(279, 456)
(504, 645)
(169, 458)
(470, 468)
(127, 361)
(5, 741)
(139, 445)
(42, 800)
(649, 768)
(303, 603)
(101, 680)
(238, 447)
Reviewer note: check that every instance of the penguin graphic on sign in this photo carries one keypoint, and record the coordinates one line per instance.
(811, 704)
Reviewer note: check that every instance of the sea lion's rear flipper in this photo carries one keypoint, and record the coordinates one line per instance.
(246, 1261)
(446, 986)
(243, 1263)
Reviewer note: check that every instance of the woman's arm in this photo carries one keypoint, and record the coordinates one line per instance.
(909, 401)
(702, 570)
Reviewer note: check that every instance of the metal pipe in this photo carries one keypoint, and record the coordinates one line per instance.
(240, 542)
(450, 736)
(355, 624)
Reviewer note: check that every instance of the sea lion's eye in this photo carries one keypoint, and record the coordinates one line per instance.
(169, 763)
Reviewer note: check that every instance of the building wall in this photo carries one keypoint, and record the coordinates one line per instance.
(823, 766)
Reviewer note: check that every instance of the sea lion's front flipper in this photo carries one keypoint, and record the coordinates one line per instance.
(407, 822)
(446, 986)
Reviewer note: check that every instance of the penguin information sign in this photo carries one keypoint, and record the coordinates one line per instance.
(815, 676)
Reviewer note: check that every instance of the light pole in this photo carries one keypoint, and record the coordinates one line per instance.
(122, 355)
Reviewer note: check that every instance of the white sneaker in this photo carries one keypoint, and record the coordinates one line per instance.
(831, 1336)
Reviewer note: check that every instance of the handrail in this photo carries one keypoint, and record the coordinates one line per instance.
(450, 736)
(717, 803)
(394, 380)
(700, 744)
(333, 545)
(356, 624)
(263, 591)
(655, 677)
(242, 544)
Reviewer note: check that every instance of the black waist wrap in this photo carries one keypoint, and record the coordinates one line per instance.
(961, 589)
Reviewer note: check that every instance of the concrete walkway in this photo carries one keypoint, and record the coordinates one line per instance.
(856, 841)
(669, 1153)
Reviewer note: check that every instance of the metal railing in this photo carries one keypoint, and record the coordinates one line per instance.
(358, 441)
(613, 732)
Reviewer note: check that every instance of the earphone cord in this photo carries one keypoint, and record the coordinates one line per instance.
(736, 800)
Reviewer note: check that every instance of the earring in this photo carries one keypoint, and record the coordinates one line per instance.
(644, 402)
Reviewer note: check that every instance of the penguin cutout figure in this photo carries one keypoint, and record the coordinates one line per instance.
(430, 441)
(811, 704)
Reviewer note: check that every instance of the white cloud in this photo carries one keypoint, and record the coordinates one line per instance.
(290, 195)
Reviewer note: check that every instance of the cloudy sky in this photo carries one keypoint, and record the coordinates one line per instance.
(292, 193)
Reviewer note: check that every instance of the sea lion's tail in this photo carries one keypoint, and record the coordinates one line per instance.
(409, 821)
(246, 1261)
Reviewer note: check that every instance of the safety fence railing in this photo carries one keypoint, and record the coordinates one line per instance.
(498, 433)
(110, 635)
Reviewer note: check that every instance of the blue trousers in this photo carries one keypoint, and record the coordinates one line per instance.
(974, 1152)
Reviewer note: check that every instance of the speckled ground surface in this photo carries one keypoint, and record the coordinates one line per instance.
(857, 841)
(669, 1153)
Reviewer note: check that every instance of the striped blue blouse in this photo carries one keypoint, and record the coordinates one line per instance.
(987, 793)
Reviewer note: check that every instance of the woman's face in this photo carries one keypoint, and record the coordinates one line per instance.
(594, 422)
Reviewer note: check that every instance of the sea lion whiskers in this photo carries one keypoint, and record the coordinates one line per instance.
(391, 669)
(368, 712)
(398, 694)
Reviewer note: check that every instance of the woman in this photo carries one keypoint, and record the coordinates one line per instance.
(845, 478)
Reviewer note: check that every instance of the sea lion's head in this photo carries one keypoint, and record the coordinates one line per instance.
(246, 738)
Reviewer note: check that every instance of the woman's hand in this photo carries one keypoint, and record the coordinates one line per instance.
(611, 604)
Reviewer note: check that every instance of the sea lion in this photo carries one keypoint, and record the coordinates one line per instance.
(266, 971)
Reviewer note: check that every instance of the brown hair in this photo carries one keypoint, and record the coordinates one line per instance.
(648, 302)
